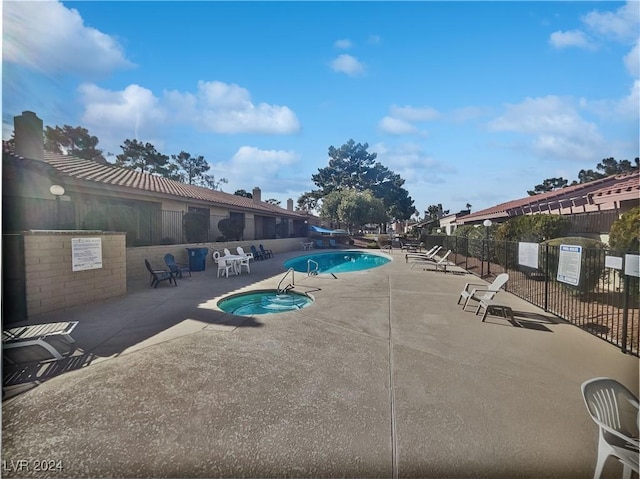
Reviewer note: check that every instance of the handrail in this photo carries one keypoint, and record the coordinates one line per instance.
(290, 285)
(313, 272)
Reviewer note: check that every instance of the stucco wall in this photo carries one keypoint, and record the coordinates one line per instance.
(52, 285)
(136, 270)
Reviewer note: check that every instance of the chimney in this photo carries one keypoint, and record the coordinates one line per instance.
(256, 195)
(290, 204)
(29, 136)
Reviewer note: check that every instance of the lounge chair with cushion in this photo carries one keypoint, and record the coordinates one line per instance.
(176, 268)
(478, 292)
(615, 410)
(159, 275)
(319, 244)
(37, 335)
(333, 243)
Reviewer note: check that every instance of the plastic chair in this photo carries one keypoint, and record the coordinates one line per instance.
(176, 268)
(267, 253)
(469, 293)
(159, 275)
(241, 252)
(224, 266)
(256, 254)
(615, 410)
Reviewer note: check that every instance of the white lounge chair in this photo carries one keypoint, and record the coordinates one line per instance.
(428, 256)
(36, 335)
(478, 292)
(615, 410)
(441, 263)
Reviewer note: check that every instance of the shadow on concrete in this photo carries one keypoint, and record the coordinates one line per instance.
(18, 378)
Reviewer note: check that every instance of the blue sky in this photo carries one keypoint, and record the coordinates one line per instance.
(470, 102)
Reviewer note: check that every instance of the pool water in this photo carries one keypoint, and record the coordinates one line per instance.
(263, 302)
(336, 262)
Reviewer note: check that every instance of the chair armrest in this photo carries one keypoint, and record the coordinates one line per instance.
(633, 442)
(466, 286)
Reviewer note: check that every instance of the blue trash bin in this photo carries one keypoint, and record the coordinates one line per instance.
(197, 258)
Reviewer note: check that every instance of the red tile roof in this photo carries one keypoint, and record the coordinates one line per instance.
(109, 174)
(604, 190)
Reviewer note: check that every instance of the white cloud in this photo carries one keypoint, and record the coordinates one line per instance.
(348, 65)
(344, 43)
(133, 112)
(396, 126)
(215, 107)
(573, 38)
(621, 25)
(402, 118)
(410, 161)
(632, 60)
(557, 129)
(50, 38)
(251, 166)
(374, 39)
(410, 113)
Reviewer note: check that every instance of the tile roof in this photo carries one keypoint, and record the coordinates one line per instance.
(112, 175)
(603, 190)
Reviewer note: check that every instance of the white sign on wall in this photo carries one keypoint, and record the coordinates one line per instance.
(569, 264)
(86, 253)
(632, 265)
(528, 254)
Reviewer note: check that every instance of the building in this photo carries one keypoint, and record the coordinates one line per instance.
(44, 190)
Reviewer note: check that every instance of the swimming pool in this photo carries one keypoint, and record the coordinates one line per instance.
(263, 302)
(336, 262)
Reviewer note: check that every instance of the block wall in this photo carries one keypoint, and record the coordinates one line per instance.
(136, 270)
(52, 285)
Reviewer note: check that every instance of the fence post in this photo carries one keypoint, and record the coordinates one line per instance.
(546, 277)
(484, 242)
(625, 313)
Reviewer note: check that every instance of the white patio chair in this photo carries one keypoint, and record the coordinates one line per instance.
(615, 410)
(241, 252)
(482, 291)
(225, 266)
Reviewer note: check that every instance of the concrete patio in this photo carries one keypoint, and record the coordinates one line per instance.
(383, 376)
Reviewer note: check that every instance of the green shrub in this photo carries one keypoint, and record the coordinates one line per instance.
(231, 229)
(533, 228)
(625, 231)
(196, 226)
(592, 265)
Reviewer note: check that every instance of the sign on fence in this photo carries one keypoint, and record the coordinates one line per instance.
(632, 265)
(86, 253)
(613, 262)
(569, 264)
(528, 254)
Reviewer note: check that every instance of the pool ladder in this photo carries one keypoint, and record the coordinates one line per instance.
(290, 286)
(314, 271)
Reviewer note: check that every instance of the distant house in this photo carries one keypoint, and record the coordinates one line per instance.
(44, 190)
(592, 207)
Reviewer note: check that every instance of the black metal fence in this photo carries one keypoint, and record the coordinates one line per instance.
(604, 302)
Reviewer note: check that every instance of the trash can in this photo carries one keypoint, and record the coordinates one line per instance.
(197, 258)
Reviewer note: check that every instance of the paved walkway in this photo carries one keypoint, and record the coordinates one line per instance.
(384, 376)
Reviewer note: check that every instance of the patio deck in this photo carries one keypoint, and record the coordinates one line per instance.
(384, 376)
